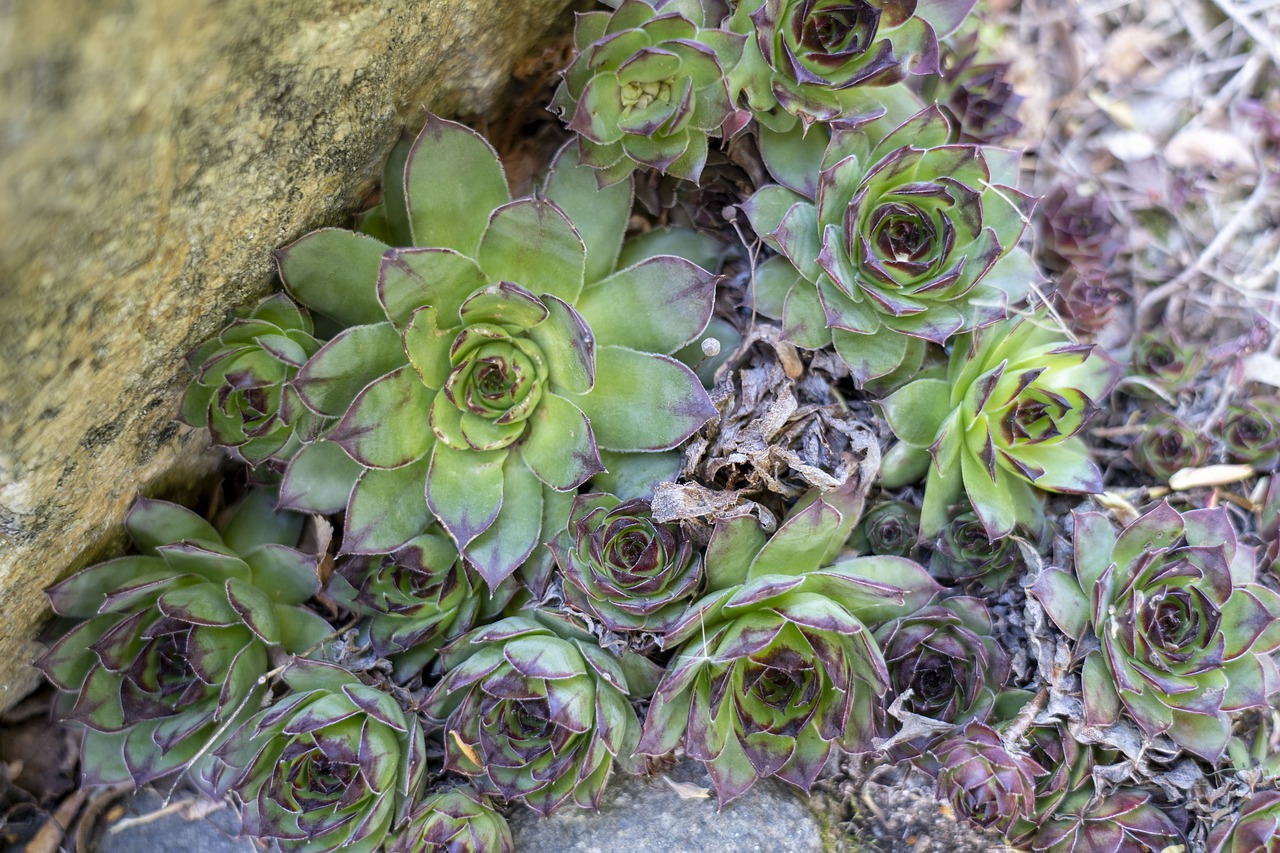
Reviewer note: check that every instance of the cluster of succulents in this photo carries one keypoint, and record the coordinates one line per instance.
(484, 397)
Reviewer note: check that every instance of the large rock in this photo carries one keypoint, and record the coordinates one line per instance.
(152, 154)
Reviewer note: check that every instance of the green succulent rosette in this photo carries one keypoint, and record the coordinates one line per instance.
(1123, 820)
(171, 641)
(1179, 629)
(241, 389)
(334, 764)
(457, 820)
(808, 57)
(963, 552)
(1167, 361)
(416, 599)
(1255, 829)
(624, 569)
(647, 87)
(1004, 421)
(534, 710)
(1166, 445)
(776, 668)
(1250, 432)
(906, 239)
(487, 370)
(889, 528)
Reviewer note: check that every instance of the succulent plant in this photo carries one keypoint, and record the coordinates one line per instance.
(1183, 629)
(647, 86)
(987, 784)
(415, 599)
(1165, 359)
(623, 568)
(1086, 300)
(334, 764)
(1076, 231)
(946, 656)
(964, 552)
(1166, 445)
(1068, 766)
(456, 820)
(533, 710)
(1250, 432)
(1006, 418)
(888, 528)
(1255, 829)
(808, 56)
(903, 241)
(241, 390)
(777, 668)
(170, 642)
(1269, 526)
(976, 91)
(1123, 821)
(507, 354)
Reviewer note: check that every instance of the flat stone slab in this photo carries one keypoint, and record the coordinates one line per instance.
(173, 832)
(652, 815)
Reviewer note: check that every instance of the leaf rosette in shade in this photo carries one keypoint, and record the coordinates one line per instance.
(487, 369)
(1167, 360)
(1183, 630)
(1254, 829)
(976, 90)
(1166, 445)
(416, 599)
(457, 820)
(623, 568)
(1250, 432)
(776, 669)
(906, 239)
(1124, 820)
(533, 710)
(807, 56)
(1004, 421)
(987, 784)
(333, 764)
(889, 528)
(647, 87)
(963, 552)
(241, 389)
(170, 642)
(1068, 766)
(946, 656)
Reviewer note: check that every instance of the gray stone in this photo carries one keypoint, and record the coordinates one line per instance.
(152, 155)
(174, 831)
(647, 815)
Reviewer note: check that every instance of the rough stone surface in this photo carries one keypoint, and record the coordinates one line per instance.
(647, 815)
(152, 154)
(174, 831)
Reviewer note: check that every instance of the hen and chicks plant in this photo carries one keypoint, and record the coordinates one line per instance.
(483, 397)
